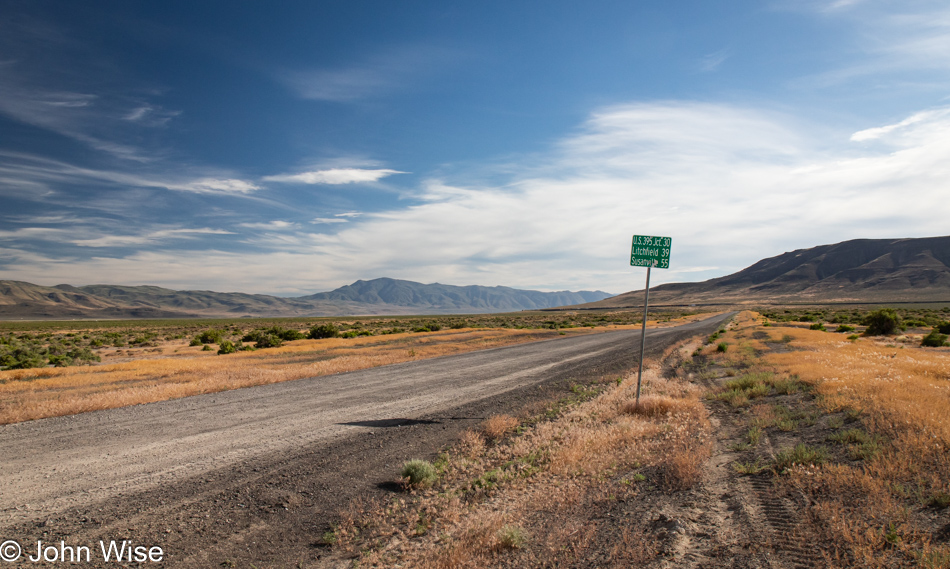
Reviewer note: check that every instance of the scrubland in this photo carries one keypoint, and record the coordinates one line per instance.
(155, 364)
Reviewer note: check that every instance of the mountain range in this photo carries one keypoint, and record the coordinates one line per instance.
(22, 300)
(856, 271)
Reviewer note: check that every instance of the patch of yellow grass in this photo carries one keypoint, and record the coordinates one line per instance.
(898, 389)
(497, 426)
(901, 395)
(49, 392)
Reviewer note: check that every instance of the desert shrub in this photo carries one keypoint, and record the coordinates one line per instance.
(817, 326)
(83, 356)
(228, 347)
(272, 337)
(882, 322)
(321, 331)
(934, 339)
(722, 347)
(22, 357)
(211, 336)
(285, 334)
(253, 336)
(268, 341)
(60, 361)
(510, 537)
(943, 327)
(419, 473)
(845, 328)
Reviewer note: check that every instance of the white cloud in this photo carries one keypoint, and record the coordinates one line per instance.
(334, 176)
(153, 237)
(329, 220)
(880, 132)
(91, 236)
(216, 186)
(394, 69)
(150, 115)
(712, 61)
(271, 225)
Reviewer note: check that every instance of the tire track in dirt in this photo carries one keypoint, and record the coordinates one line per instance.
(744, 523)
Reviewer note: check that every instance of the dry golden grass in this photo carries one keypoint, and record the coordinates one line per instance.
(49, 392)
(876, 513)
(541, 482)
(497, 426)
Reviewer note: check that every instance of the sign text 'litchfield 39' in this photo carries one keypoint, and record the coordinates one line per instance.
(650, 251)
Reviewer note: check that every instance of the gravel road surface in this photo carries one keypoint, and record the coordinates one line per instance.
(254, 475)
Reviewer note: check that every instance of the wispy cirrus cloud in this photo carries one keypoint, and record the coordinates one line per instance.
(271, 225)
(393, 70)
(40, 86)
(151, 237)
(28, 173)
(334, 176)
(895, 44)
(227, 186)
(712, 61)
(89, 235)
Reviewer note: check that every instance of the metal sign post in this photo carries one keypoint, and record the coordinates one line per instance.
(648, 251)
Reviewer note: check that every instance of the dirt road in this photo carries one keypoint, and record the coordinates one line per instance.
(254, 475)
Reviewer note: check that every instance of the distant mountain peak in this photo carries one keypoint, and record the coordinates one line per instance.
(377, 296)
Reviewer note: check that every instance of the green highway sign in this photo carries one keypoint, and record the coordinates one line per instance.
(648, 251)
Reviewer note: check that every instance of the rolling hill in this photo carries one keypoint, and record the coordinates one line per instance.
(21, 300)
(859, 271)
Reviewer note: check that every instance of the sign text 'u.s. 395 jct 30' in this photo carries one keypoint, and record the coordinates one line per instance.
(649, 251)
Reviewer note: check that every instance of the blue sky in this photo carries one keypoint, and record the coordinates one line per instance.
(294, 147)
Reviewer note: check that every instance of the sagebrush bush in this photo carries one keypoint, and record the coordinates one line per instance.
(321, 331)
(510, 537)
(208, 337)
(934, 339)
(419, 473)
(882, 322)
